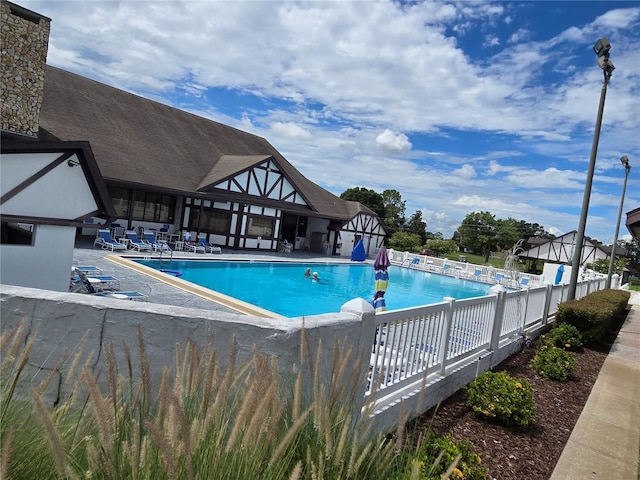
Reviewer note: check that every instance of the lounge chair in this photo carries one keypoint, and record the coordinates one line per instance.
(477, 274)
(103, 238)
(208, 247)
(190, 245)
(136, 244)
(445, 268)
(83, 283)
(87, 269)
(156, 245)
(286, 246)
(123, 295)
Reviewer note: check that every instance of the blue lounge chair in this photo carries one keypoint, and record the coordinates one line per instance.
(136, 244)
(446, 267)
(105, 241)
(208, 247)
(123, 295)
(83, 283)
(87, 269)
(190, 245)
(157, 245)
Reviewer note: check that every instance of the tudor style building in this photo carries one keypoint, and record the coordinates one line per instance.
(167, 167)
(164, 166)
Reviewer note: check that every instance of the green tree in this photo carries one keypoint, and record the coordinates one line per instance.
(507, 234)
(441, 247)
(602, 265)
(367, 197)
(405, 241)
(394, 210)
(479, 233)
(418, 226)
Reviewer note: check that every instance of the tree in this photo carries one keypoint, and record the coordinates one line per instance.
(394, 210)
(602, 265)
(418, 226)
(478, 233)
(405, 241)
(442, 248)
(368, 198)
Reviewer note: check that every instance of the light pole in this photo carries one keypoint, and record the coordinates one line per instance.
(627, 168)
(601, 48)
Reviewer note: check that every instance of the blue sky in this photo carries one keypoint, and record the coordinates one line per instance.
(460, 106)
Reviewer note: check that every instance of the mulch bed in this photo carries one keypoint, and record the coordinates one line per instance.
(517, 454)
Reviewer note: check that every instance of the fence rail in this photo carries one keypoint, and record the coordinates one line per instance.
(411, 344)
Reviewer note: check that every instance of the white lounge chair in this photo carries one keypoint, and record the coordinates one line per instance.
(208, 247)
(190, 245)
(136, 243)
(104, 240)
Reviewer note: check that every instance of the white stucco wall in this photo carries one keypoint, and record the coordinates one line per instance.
(46, 264)
(61, 323)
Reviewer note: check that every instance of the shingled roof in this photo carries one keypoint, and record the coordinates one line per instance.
(140, 142)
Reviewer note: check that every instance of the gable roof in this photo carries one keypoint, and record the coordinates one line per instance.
(561, 248)
(143, 143)
(32, 166)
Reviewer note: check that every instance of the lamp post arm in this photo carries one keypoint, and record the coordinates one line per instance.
(577, 254)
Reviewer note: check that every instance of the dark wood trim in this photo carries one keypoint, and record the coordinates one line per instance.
(63, 222)
(36, 176)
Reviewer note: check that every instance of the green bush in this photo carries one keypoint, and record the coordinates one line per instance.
(501, 398)
(553, 362)
(566, 336)
(436, 454)
(594, 314)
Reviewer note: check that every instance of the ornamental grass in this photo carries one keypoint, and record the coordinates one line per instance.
(205, 419)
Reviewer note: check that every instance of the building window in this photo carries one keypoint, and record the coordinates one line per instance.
(215, 221)
(17, 233)
(153, 207)
(260, 226)
(120, 198)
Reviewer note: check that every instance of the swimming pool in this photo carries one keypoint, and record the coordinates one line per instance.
(281, 287)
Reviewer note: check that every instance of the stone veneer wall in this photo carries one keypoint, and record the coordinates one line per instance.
(24, 42)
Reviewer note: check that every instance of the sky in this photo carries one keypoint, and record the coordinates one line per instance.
(461, 107)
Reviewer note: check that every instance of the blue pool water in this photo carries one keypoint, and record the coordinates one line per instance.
(282, 287)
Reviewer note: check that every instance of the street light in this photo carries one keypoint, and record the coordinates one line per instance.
(601, 48)
(625, 162)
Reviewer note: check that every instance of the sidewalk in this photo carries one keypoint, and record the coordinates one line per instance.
(605, 441)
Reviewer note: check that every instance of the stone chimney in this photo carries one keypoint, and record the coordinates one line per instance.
(24, 42)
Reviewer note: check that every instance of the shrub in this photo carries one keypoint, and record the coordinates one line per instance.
(436, 454)
(566, 336)
(594, 314)
(553, 362)
(501, 398)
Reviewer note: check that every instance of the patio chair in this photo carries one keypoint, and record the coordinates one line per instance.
(286, 247)
(445, 268)
(83, 283)
(136, 244)
(104, 240)
(415, 262)
(524, 282)
(190, 245)
(123, 295)
(156, 245)
(208, 247)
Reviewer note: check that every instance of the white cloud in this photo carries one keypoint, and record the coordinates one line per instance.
(394, 143)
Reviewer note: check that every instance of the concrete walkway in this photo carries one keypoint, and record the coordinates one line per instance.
(605, 441)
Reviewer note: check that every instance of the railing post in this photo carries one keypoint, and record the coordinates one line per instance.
(443, 349)
(367, 314)
(547, 303)
(524, 315)
(497, 320)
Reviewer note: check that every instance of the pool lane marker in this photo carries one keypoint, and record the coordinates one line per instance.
(206, 293)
